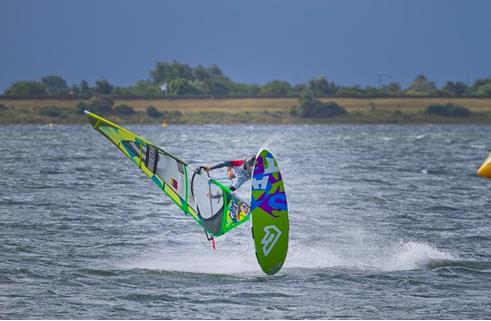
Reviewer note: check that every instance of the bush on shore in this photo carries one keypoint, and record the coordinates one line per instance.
(311, 107)
(52, 111)
(124, 110)
(448, 110)
(152, 112)
(171, 114)
(97, 104)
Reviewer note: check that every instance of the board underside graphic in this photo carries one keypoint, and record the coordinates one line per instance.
(187, 189)
(269, 210)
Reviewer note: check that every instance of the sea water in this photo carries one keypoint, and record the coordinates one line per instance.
(386, 221)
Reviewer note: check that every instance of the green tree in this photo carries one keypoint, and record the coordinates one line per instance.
(55, 85)
(26, 89)
(182, 87)
(165, 72)
(241, 89)
(484, 90)
(299, 88)
(182, 70)
(219, 86)
(103, 87)
(161, 73)
(85, 89)
(201, 73)
(145, 88)
(374, 92)
(276, 88)
(74, 90)
(350, 91)
(122, 91)
(392, 89)
(478, 83)
(321, 87)
(307, 98)
(457, 88)
(215, 71)
(422, 86)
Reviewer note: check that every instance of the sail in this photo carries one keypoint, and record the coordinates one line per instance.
(209, 202)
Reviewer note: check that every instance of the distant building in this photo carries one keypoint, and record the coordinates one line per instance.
(163, 88)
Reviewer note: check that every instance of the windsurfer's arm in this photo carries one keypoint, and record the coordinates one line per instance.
(220, 165)
(210, 168)
(230, 163)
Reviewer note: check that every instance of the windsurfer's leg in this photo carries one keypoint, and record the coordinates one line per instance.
(239, 182)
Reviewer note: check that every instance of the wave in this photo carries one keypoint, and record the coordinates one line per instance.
(369, 256)
(238, 258)
(469, 265)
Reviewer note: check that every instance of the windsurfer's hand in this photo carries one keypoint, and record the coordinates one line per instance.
(199, 169)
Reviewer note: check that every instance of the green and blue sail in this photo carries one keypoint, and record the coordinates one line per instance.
(187, 188)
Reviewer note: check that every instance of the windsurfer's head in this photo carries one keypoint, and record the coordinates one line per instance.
(249, 164)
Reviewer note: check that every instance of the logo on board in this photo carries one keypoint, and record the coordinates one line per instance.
(270, 238)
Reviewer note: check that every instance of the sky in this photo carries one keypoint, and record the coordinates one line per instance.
(349, 42)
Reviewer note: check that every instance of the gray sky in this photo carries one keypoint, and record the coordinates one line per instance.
(252, 41)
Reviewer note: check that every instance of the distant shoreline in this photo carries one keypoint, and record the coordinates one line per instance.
(251, 110)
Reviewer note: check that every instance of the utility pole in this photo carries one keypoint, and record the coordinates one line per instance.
(380, 74)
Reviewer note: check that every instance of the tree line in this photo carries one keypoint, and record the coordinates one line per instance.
(176, 79)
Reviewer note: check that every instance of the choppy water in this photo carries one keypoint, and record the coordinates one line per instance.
(386, 222)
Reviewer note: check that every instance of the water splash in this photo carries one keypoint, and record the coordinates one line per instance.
(270, 143)
(367, 256)
(238, 257)
(413, 255)
(230, 258)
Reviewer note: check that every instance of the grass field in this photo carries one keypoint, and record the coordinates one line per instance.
(252, 110)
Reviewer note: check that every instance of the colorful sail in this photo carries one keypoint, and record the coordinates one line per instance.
(209, 202)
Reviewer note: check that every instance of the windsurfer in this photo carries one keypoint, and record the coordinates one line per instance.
(240, 169)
